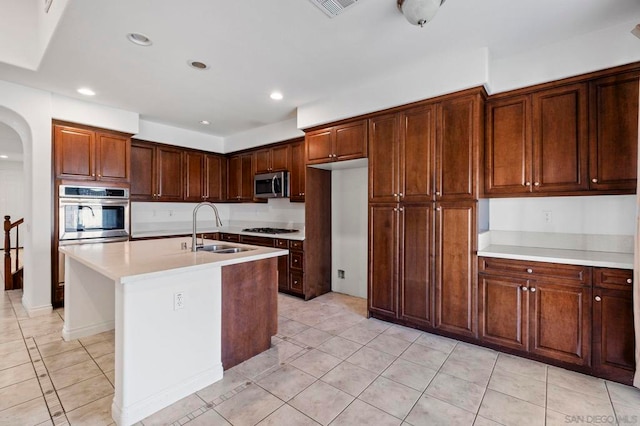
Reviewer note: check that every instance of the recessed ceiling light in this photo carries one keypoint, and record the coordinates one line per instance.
(86, 91)
(198, 65)
(276, 96)
(139, 39)
(205, 122)
(4, 156)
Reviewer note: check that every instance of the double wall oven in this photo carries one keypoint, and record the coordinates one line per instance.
(91, 215)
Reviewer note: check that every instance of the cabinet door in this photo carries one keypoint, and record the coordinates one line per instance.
(298, 172)
(113, 157)
(194, 179)
(215, 176)
(613, 139)
(455, 268)
(508, 146)
(247, 177)
(503, 311)
(319, 146)
(415, 275)
(560, 322)
(75, 153)
(350, 141)
(234, 190)
(560, 139)
(417, 154)
(457, 148)
(280, 158)
(263, 160)
(384, 159)
(383, 258)
(143, 172)
(170, 174)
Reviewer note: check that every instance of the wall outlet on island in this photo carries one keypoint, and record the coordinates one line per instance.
(341, 274)
(548, 216)
(178, 301)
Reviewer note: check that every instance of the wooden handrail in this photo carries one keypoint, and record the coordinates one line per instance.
(8, 276)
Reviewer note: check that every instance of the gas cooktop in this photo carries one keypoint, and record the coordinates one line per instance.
(270, 230)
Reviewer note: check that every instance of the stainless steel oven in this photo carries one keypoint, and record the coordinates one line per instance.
(92, 214)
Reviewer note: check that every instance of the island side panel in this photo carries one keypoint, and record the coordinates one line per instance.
(89, 301)
(164, 354)
(249, 309)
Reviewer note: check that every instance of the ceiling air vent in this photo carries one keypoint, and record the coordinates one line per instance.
(333, 7)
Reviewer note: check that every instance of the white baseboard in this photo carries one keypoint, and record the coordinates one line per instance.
(125, 416)
(37, 311)
(79, 333)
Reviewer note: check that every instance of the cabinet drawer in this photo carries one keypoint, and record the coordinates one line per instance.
(296, 260)
(211, 236)
(296, 282)
(235, 238)
(296, 244)
(256, 241)
(278, 243)
(571, 274)
(617, 279)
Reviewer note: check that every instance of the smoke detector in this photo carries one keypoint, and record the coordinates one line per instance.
(333, 8)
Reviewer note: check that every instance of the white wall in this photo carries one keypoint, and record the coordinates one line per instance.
(349, 230)
(604, 214)
(92, 114)
(271, 133)
(156, 132)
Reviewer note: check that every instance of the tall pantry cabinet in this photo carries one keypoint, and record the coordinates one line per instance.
(423, 191)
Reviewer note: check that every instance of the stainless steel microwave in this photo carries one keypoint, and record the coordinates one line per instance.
(271, 185)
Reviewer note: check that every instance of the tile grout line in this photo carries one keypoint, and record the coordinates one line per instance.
(56, 411)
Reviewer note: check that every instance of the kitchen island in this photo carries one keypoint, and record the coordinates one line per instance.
(180, 317)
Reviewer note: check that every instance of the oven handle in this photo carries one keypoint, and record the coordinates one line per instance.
(84, 201)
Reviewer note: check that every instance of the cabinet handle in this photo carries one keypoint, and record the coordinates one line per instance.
(401, 209)
(527, 184)
(395, 209)
(594, 180)
(330, 155)
(524, 288)
(598, 298)
(437, 193)
(395, 195)
(401, 195)
(93, 175)
(536, 183)
(529, 271)
(533, 289)
(438, 209)
(629, 280)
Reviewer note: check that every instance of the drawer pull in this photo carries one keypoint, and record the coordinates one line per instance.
(536, 184)
(524, 288)
(598, 298)
(529, 271)
(629, 280)
(527, 184)
(594, 180)
(533, 289)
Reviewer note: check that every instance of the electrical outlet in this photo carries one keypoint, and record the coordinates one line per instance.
(178, 301)
(548, 216)
(341, 274)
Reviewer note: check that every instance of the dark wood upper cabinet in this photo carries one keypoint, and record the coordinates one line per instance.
(215, 178)
(156, 172)
(241, 172)
(384, 159)
(298, 172)
(613, 139)
(194, 170)
(204, 177)
(85, 154)
(277, 158)
(337, 143)
(460, 124)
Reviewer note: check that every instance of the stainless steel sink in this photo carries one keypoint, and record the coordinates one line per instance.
(222, 249)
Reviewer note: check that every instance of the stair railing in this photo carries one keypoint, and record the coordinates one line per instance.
(8, 226)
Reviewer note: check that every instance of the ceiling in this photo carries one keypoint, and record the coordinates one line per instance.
(254, 47)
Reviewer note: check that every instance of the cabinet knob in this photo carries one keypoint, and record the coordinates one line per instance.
(527, 184)
(93, 175)
(533, 289)
(629, 280)
(524, 288)
(598, 298)
(438, 209)
(529, 271)
(536, 183)
(437, 193)
(330, 155)
(295, 281)
(395, 195)
(401, 194)
(594, 180)
(401, 209)
(395, 209)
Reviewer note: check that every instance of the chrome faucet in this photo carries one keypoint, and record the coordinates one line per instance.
(194, 245)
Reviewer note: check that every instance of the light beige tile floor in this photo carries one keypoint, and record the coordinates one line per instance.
(328, 364)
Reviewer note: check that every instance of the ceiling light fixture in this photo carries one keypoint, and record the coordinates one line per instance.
(205, 122)
(198, 65)
(86, 91)
(139, 39)
(419, 12)
(276, 96)
(4, 157)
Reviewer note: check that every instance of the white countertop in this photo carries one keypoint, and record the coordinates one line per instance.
(553, 255)
(228, 229)
(132, 260)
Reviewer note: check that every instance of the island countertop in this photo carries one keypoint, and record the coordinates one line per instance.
(133, 260)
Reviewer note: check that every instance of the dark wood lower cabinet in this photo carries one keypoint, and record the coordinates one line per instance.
(383, 259)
